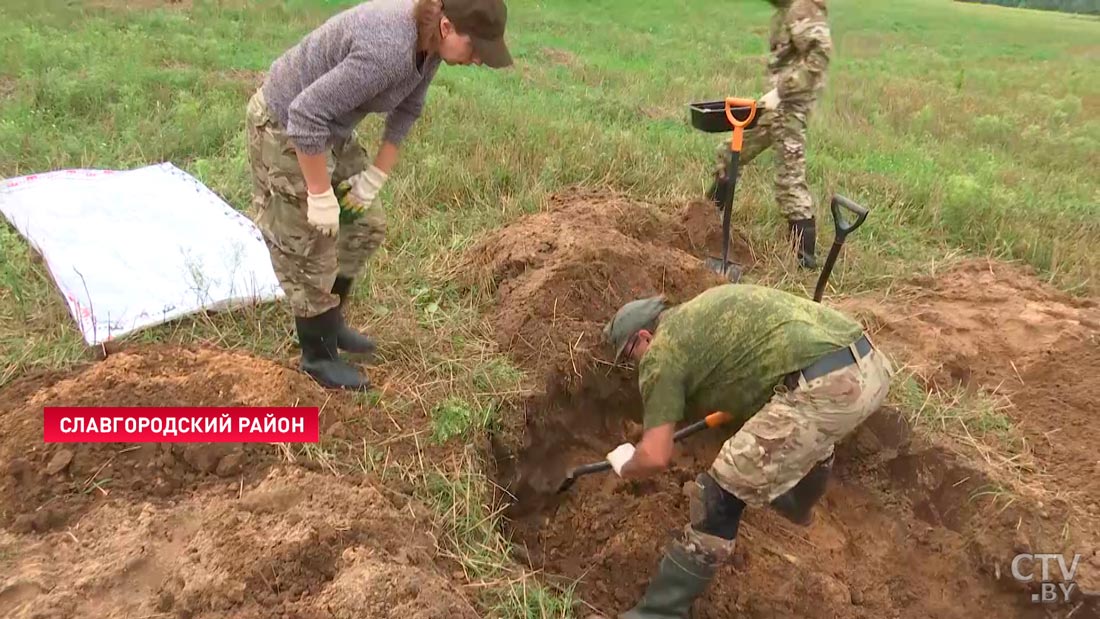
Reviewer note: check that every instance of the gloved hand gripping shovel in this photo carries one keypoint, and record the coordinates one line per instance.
(705, 117)
(712, 420)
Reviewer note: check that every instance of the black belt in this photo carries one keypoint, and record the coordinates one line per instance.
(830, 362)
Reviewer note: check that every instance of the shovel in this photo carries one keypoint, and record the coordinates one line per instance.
(843, 229)
(704, 117)
(712, 420)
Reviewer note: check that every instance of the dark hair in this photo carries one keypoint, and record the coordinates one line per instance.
(428, 14)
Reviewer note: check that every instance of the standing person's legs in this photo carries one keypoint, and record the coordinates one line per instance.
(304, 260)
(360, 235)
(755, 141)
(792, 192)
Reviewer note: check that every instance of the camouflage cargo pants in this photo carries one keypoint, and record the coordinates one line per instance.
(785, 127)
(797, 429)
(305, 261)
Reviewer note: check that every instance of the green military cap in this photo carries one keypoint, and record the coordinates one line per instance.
(484, 21)
(631, 318)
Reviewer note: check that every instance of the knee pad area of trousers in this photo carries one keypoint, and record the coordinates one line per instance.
(715, 512)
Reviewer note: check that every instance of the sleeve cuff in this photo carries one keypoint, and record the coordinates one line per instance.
(398, 124)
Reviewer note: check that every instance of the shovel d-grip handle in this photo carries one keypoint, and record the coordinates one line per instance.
(739, 125)
(839, 202)
(842, 231)
(712, 420)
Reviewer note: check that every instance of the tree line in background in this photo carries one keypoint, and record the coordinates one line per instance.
(1090, 7)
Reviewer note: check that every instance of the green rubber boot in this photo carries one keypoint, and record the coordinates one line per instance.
(681, 578)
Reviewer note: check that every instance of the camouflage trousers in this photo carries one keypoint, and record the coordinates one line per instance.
(305, 261)
(798, 428)
(785, 127)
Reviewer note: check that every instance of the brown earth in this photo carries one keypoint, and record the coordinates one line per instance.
(43, 486)
(194, 531)
(559, 275)
(995, 328)
(296, 545)
(908, 527)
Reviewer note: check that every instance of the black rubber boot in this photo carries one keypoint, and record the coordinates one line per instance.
(681, 578)
(320, 358)
(803, 233)
(347, 338)
(797, 504)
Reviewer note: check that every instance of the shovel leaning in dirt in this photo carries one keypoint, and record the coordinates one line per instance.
(713, 420)
(718, 117)
(843, 229)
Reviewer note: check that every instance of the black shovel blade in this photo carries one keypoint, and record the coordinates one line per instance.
(567, 483)
(730, 270)
(587, 469)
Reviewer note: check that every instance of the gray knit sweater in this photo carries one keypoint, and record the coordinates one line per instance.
(361, 61)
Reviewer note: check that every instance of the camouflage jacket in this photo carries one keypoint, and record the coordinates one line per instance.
(801, 47)
(729, 347)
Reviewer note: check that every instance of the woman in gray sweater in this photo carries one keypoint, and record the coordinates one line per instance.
(315, 192)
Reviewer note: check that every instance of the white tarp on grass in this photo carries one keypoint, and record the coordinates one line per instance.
(134, 249)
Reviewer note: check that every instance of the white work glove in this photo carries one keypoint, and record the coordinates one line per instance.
(323, 212)
(770, 100)
(618, 458)
(363, 189)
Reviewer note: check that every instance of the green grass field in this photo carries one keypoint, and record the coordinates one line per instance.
(968, 129)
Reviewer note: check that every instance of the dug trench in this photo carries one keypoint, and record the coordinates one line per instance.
(914, 524)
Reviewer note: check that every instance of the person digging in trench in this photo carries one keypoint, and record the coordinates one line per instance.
(796, 376)
(800, 50)
(314, 191)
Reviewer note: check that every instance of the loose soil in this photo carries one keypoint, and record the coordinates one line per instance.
(43, 486)
(995, 329)
(908, 527)
(914, 524)
(194, 531)
(298, 545)
(559, 275)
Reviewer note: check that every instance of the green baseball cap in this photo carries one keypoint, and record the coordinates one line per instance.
(631, 318)
(484, 21)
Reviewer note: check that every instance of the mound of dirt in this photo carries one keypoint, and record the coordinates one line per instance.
(42, 486)
(558, 276)
(298, 545)
(994, 328)
(975, 323)
(907, 529)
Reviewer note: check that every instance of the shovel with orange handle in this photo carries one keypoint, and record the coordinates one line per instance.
(712, 420)
(732, 114)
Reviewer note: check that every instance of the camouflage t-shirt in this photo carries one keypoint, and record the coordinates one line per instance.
(727, 348)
